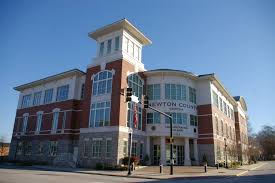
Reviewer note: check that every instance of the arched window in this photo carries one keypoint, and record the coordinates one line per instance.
(222, 133)
(136, 83)
(102, 83)
(217, 125)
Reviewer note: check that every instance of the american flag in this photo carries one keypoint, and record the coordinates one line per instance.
(135, 120)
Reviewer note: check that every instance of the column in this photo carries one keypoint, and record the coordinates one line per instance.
(195, 144)
(187, 161)
(148, 149)
(162, 150)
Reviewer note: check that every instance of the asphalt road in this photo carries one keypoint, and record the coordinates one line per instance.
(265, 174)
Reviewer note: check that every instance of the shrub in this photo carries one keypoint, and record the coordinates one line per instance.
(99, 166)
(134, 159)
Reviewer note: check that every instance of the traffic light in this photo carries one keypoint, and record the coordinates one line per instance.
(129, 93)
(146, 103)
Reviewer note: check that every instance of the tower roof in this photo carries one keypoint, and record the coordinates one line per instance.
(121, 24)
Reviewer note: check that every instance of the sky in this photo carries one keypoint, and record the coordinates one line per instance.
(234, 39)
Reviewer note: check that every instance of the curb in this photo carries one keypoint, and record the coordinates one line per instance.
(244, 172)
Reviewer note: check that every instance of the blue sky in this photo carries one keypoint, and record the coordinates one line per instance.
(234, 39)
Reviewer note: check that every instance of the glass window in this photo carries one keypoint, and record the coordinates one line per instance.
(55, 120)
(39, 122)
(153, 118)
(102, 83)
(37, 98)
(224, 108)
(131, 48)
(177, 118)
(175, 92)
(220, 105)
(48, 96)
(85, 147)
(53, 148)
(26, 101)
(97, 145)
(100, 114)
(40, 148)
(62, 93)
(109, 46)
(28, 148)
(192, 95)
(215, 98)
(136, 83)
(222, 128)
(101, 49)
(193, 120)
(25, 123)
(108, 148)
(20, 148)
(125, 148)
(141, 151)
(130, 116)
(136, 52)
(82, 91)
(153, 91)
(117, 43)
(134, 149)
(217, 125)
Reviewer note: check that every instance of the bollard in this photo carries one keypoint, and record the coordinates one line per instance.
(160, 168)
(205, 168)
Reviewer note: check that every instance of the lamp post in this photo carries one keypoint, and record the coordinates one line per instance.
(240, 152)
(225, 149)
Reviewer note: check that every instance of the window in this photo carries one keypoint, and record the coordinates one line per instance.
(20, 148)
(215, 98)
(109, 46)
(224, 108)
(153, 92)
(178, 118)
(85, 147)
(192, 95)
(62, 93)
(134, 149)
(218, 153)
(38, 122)
(101, 49)
(25, 123)
(193, 120)
(136, 52)
(97, 144)
(102, 83)
(64, 119)
(55, 121)
(108, 148)
(40, 148)
(136, 83)
(232, 114)
(82, 91)
(228, 111)
(48, 96)
(53, 148)
(28, 147)
(153, 118)
(37, 98)
(217, 125)
(26, 101)
(131, 48)
(221, 128)
(130, 116)
(125, 148)
(220, 105)
(100, 114)
(141, 151)
(117, 43)
(175, 92)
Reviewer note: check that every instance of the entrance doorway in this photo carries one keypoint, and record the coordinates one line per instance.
(178, 154)
(156, 155)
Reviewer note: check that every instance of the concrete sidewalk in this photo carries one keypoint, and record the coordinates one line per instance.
(152, 172)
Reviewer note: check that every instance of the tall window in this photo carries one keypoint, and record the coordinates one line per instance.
(102, 83)
(53, 148)
(178, 118)
(217, 125)
(55, 120)
(101, 49)
(224, 108)
(136, 52)
(141, 151)
(25, 123)
(37, 98)
(48, 96)
(130, 116)
(109, 46)
(108, 148)
(82, 91)
(97, 146)
(134, 149)
(40, 148)
(125, 148)
(220, 105)
(116, 43)
(38, 122)
(175, 92)
(222, 132)
(192, 95)
(153, 118)
(193, 120)
(153, 92)
(85, 147)
(26, 101)
(215, 98)
(136, 83)
(62, 93)
(100, 114)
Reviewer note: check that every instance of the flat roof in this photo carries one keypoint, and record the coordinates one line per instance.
(121, 24)
(49, 79)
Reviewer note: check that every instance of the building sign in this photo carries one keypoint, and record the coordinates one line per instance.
(173, 105)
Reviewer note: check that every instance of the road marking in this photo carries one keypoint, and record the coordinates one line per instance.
(241, 173)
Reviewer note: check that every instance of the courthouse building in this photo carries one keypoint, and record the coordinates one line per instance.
(82, 118)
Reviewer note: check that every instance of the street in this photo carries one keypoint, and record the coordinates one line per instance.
(265, 173)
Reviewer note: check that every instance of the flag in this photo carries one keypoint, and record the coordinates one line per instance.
(135, 118)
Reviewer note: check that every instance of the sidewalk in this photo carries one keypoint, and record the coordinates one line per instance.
(152, 172)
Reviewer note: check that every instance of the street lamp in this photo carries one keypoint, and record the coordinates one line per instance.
(225, 148)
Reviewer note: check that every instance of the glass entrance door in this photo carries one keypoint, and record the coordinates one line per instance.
(178, 154)
(156, 155)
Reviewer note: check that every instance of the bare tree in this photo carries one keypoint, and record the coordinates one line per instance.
(2, 147)
(266, 140)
